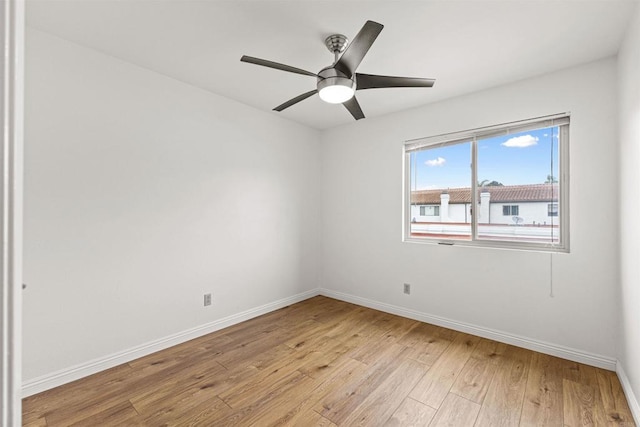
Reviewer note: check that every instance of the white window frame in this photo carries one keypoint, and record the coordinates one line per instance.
(473, 135)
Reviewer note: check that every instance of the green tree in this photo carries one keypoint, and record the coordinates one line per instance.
(487, 183)
(551, 179)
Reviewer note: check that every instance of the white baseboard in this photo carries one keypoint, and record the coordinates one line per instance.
(73, 373)
(634, 404)
(524, 342)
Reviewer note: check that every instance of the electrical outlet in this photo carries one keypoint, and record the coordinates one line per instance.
(407, 288)
(207, 299)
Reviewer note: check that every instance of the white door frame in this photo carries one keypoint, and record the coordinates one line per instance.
(11, 119)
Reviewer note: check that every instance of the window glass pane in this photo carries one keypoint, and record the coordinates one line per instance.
(517, 184)
(439, 183)
(429, 210)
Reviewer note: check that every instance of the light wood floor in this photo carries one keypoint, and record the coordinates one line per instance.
(324, 362)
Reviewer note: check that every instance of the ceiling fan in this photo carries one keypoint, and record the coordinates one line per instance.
(337, 83)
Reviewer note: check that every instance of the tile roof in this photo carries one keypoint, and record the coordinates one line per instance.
(507, 193)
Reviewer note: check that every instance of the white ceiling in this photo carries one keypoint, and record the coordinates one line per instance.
(466, 46)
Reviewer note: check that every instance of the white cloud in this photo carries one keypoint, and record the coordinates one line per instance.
(440, 161)
(521, 141)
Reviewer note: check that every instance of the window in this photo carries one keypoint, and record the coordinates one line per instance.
(510, 210)
(499, 186)
(429, 210)
(442, 190)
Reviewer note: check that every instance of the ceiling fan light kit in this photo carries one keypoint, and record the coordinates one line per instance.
(337, 83)
(334, 87)
(337, 90)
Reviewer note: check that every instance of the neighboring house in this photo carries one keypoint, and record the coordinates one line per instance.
(535, 204)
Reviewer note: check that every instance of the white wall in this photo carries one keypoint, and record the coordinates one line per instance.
(142, 193)
(509, 291)
(530, 212)
(629, 112)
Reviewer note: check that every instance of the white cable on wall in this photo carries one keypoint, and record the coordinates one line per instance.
(551, 274)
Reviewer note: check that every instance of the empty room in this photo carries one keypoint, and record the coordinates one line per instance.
(207, 237)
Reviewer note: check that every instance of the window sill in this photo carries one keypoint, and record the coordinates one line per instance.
(487, 244)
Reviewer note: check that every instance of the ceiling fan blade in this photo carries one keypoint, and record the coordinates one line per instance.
(354, 108)
(276, 65)
(295, 100)
(358, 48)
(372, 81)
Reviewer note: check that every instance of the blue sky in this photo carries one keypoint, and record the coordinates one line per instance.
(521, 158)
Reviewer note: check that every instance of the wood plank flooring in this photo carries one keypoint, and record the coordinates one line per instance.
(324, 362)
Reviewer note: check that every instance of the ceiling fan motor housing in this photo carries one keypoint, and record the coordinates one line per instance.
(335, 80)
